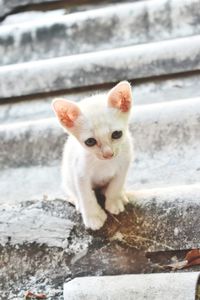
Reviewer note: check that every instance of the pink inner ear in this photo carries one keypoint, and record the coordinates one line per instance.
(66, 111)
(120, 96)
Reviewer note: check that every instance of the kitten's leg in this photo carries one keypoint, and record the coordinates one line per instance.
(115, 195)
(93, 215)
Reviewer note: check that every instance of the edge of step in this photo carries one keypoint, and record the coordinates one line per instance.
(121, 24)
(140, 61)
(166, 286)
(155, 218)
(173, 88)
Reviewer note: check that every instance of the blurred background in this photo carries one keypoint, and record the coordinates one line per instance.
(154, 44)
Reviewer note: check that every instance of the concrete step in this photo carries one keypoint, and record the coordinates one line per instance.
(54, 9)
(10, 7)
(116, 26)
(155, 90)
(44, 243)
(45, 11)
(177, 286)
(84, 70)
(166, 138)
(52, 221)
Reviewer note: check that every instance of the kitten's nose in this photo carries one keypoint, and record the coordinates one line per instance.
(108, 154)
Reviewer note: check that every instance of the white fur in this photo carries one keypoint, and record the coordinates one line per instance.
(103, 165)
(85, 168)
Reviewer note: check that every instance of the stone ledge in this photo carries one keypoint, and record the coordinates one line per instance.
(155, 220)
(177, 286)
(114, 27)
(90, 69)
(155, 90)
(159, 219)
(8, 7)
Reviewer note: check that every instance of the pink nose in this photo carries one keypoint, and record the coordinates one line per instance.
(108, 155)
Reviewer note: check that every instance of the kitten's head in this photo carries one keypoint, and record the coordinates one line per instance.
(100, 122)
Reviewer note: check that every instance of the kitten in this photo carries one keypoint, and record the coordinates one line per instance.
(98, 151)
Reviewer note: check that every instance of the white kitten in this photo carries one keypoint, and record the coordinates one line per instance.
(98, 151)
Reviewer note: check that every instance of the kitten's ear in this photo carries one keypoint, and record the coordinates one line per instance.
(66, 111)
(121, 96)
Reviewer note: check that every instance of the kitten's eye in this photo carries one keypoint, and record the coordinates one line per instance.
(90, 142)
(116, 134)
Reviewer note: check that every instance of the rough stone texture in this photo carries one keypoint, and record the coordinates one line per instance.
(32, 267)
(166, 57)
(114, 27)
(44, 243)
(34, 224)
(140, 287)
(25, 137)
(12, 6)
(146, 92)
(155, 220)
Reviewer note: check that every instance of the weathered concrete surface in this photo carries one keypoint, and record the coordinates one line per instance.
(35, 268)
(12, 6)
(121, 25)
(23, 136)
(153, 59)
(178, 286)
(42, 269)
(155, 90)
(154, 127)
(155, 220)
(20, 184)
(33, 224)
(44, 243)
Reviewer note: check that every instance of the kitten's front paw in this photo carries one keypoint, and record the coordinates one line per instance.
(116, 205)
(95, 221)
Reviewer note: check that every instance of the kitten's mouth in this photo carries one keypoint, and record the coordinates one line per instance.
(106, 158)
